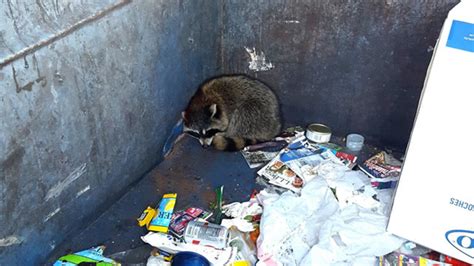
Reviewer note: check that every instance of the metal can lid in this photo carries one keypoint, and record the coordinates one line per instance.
(319, 128)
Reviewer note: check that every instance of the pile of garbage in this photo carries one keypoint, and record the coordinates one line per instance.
(225, 237)
(319, 207)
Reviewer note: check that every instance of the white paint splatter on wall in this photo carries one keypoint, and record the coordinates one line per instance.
(51, 214)
(82, 191)
(58, 188)
(55, 94)
(9, 241)
(258, 62)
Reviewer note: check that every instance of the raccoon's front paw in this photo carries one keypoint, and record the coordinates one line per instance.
(219, 142)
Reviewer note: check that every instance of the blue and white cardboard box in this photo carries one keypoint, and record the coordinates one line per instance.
(434, 201)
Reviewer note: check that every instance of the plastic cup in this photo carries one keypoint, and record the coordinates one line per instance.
(354, 142)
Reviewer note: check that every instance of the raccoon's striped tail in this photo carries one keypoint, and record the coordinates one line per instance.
(223, 143)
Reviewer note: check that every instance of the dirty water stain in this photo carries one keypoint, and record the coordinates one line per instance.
(183, 184)
(28, 86)
(42, 81)
(26, 63)
(11, 169)
(18, 89)
(14, 158)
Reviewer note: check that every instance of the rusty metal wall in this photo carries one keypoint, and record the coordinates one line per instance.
(88, 93)
(357, 66)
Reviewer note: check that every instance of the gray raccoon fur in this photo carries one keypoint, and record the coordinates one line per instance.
(231, 112)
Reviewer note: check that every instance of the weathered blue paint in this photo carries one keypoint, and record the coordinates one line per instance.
(86, 116)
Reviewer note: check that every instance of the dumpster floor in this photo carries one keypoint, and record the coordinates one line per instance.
(190, 171)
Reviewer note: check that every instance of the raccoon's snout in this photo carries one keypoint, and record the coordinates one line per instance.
(205, 142)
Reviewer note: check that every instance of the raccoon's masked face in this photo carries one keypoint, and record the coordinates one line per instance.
(204, 124)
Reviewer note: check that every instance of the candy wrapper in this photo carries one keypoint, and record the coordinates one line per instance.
(180, 219)
(162, 220)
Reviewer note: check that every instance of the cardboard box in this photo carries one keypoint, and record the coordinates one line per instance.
(434, 201)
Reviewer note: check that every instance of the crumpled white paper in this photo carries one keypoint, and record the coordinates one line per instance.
(353, 187)
(238, 211)
(242, 209)
(316, 229)
(157, 261)
(241, 224)
(216, 257)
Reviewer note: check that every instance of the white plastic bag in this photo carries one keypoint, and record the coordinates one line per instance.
(316, 229)
(352, 234)
(290, 224)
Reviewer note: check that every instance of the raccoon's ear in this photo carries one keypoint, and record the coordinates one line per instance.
(183, 115)
(213, 110)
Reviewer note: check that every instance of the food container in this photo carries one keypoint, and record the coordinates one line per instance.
(318, 133)
(354, 142)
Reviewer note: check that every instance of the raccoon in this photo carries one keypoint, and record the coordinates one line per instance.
(232, 111)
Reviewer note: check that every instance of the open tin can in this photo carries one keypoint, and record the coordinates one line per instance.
(318, 133)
